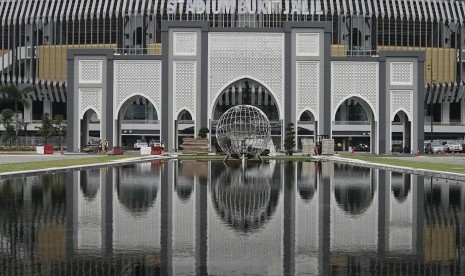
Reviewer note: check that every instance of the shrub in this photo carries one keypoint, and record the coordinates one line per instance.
(203, 132)
(17, 148)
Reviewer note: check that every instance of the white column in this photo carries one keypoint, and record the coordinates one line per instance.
(462, 105)
(28, 112)
(445, 112)
(48, 107)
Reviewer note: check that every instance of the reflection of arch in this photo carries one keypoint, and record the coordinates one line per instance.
(245, 200)
(184, 188)
(136, 190)
(235, 83)
(400, 186)
(354, 189)
(89, 183)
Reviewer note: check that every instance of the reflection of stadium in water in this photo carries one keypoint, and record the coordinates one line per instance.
(331, 220)
(244, 198)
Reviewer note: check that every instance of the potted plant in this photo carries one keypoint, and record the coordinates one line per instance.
(46, 130)
(203, 132)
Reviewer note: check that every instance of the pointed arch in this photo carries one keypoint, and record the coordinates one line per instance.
(244, 78)
(185, 112)
(362, 100)
(134, 96)
(400, 109)
(308, 111)
(81, 117)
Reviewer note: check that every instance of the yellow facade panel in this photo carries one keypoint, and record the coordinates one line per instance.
(52, 59)
(440, 63)
(154, 49)
(338, 50)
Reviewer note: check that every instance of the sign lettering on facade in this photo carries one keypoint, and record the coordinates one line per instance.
(291, 7)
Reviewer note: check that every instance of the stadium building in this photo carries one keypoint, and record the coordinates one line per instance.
(371, 74)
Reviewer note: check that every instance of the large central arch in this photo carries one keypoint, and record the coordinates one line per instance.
(251, 92)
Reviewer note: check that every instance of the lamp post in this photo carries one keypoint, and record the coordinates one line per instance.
(430, 67)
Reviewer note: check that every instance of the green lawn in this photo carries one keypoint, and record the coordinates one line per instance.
(443, 167)
(60, 163)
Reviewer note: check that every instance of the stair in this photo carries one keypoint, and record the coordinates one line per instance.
(195, 146)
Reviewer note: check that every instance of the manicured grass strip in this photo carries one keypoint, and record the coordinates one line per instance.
(443, 167)
(39, 165)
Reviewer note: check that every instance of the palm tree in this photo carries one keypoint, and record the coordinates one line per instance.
(16, 94)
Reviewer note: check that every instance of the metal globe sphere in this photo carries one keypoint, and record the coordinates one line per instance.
(243, 130)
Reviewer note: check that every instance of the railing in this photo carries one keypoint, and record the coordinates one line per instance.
(352, 123)
(146, 122)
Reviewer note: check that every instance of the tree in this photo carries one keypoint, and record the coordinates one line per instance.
(16, 94)
(289, 141)
(46, 130)
(203, 132)
(59, 127)
(7, 121)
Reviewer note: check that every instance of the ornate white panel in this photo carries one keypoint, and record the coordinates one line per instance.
(259, 56)
(308, 87)
(358, 79)
(401, 73)
(184, 43)
(90, 71)
(184, 86)
(401, 100)
(137, 77)
(307, 44)
(90, 98)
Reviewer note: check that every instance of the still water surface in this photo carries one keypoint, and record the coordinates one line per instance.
(276, 218)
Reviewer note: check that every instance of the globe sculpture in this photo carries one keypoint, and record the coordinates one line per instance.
(243, 131)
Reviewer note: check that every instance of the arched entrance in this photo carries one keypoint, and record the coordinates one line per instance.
(306, 128)
(354, 126)
(401, 129)
(184, 127)
(137, 119)
(250, 92)
(90, 126)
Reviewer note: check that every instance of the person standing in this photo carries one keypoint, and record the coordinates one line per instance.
(106, 145)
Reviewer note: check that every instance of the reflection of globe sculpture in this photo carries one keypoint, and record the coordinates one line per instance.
(243, 198)
(243, 130)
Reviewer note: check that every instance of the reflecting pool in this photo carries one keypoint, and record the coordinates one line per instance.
(274, 218)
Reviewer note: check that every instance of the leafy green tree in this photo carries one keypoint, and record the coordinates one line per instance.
(289, 141)
(59, 126)
(46, 130)
(16, 94)
(7, 120)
